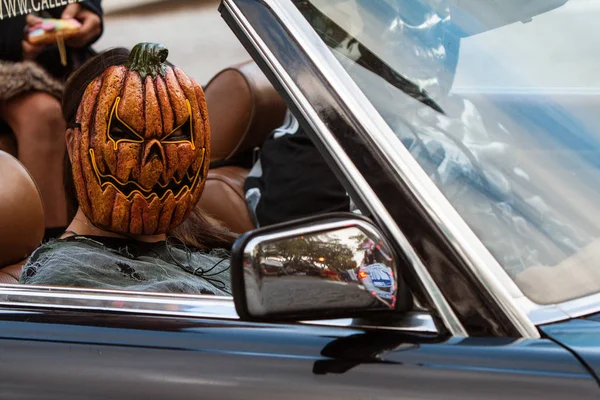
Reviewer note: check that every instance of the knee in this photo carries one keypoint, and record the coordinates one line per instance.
(38, 108)
(37, 117)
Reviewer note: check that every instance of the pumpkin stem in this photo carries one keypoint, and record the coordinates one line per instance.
(148, 59)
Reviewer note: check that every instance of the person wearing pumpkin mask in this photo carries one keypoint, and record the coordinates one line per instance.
(138, 142)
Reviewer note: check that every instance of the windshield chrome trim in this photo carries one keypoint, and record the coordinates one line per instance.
(447, 315)
(162, 304)
(549, 313)
(582, 306)
(477, 257)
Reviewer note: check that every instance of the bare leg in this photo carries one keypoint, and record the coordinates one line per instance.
(37, 122)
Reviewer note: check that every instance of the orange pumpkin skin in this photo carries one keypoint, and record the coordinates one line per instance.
(141, 154)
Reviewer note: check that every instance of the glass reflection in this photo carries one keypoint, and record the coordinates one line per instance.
(500, 114)
(340, 269)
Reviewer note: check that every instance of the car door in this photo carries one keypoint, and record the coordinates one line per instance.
(63, 344)
(51, 352)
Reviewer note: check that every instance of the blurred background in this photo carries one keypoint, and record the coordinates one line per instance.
(198, 39)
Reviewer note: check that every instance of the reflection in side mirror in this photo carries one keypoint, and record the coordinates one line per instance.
(338, 267)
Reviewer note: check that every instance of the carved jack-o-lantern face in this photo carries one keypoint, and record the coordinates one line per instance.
(141, 152)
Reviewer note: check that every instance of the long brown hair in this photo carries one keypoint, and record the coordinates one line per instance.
(198, 230)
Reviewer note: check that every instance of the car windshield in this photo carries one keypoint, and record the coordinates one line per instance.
(499, 103)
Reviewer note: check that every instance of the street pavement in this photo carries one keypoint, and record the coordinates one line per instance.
(198, 39)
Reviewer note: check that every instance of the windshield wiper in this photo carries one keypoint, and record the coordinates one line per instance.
(333, 36)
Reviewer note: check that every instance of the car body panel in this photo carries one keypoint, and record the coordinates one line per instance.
(64, 355)
(582, 337)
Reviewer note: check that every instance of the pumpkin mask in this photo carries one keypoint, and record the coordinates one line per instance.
(141, 145)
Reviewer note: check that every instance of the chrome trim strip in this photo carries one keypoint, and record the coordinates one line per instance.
(477, 257)
(35, 297)
(541, 314)
(121, 301)
(447, 315)
(548, 313)
(582, 306)
(409, 322)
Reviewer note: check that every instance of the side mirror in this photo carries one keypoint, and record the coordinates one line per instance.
(332, 266)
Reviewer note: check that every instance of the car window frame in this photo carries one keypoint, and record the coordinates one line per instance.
(316, 124)
(453, 247)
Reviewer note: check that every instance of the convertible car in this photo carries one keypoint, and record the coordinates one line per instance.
(464, 132)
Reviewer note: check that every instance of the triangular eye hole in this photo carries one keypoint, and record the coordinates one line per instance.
(118, 130)
(181, 133)
(184, 132)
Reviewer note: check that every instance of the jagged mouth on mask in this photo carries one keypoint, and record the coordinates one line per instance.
(130, 188)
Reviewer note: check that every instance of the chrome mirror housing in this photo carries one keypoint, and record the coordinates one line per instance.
(318, 268)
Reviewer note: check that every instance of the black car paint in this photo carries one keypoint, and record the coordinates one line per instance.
(479, 314)
(92, 355)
